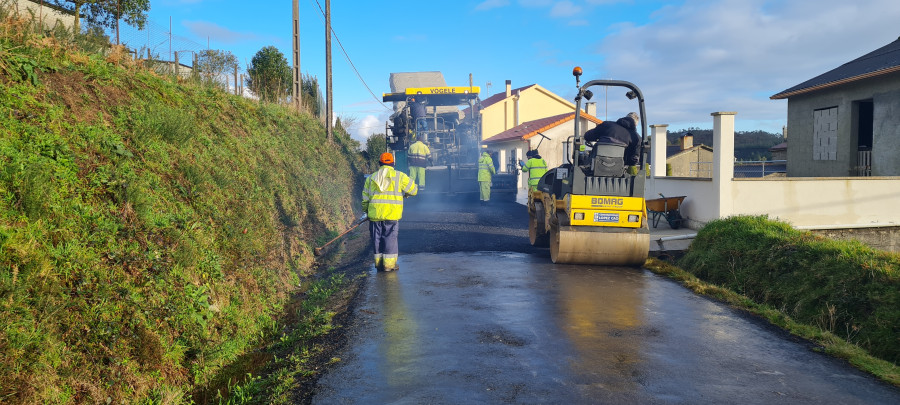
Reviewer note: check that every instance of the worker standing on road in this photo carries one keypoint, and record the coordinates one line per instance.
(485, 171)
(418, 159)
(536, 166)
(382, 200)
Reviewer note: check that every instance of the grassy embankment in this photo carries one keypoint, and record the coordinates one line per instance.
(151, 232)
(842, 295)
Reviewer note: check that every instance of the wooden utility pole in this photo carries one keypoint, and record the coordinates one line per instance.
(297, 93)
(118, 16)
(236, 80)
(328, 104)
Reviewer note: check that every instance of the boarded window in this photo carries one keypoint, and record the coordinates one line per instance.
(825, 134)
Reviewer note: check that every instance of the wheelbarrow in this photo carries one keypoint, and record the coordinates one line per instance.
(666, 207)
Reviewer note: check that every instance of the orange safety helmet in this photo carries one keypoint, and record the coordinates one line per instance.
(386, 158)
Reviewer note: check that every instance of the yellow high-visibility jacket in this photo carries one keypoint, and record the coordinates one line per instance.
(536, 169)
(418, 154)
(485, 167)
(382, 195)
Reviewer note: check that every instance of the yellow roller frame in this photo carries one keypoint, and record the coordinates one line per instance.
(611, 231)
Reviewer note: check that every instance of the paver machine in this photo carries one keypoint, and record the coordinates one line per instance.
(589, 210)
(452, 135)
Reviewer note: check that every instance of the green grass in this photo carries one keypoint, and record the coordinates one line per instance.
(841, 294)
(295, 349)
(151, 232)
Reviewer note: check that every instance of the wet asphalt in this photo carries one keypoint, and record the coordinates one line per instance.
(477, 315)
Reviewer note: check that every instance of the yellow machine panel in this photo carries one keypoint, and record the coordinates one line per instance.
(442, 90)
(436, 95)
(619, 219)
(599, 202)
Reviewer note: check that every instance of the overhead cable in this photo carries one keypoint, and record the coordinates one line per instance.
(344, 51)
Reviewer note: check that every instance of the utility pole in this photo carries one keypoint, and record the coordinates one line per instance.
(297, 94)
(118, 16)
(328, 102)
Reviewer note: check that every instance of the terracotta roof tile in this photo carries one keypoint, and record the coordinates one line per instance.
(529, 129)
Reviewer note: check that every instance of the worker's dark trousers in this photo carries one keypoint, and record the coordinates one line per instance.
(384, 237)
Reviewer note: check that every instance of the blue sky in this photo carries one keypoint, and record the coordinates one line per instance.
(689, 57)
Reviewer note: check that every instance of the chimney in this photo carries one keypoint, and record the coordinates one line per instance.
(508, 88)
(590, 109)
(687, 141)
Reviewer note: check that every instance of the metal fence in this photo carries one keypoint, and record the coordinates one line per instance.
(759, 168)
(863, 163)
(170, 54)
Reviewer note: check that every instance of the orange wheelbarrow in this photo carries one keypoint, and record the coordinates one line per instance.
(665, 207)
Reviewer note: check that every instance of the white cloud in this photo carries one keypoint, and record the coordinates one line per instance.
(731, 55)
(564, 9)
(535, 3)
(220, 34)
(491, 4)
(368, 125)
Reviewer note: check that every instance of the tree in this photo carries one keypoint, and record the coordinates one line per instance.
(376, 144)
(311, 95)
(270, 77)
(104, 13)
(213, 63)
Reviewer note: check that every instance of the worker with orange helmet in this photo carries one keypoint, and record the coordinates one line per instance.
(382, 200)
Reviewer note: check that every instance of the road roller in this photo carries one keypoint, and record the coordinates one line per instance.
(590, 210)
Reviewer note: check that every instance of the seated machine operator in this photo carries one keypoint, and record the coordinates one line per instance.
(621, 133)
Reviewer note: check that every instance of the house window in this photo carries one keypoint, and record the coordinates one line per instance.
(825, 134)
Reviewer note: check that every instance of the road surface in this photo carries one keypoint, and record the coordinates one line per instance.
(476, 315)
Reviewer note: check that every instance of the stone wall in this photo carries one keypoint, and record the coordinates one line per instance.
(882, 238)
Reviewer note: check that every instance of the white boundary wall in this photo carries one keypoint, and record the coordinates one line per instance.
(48, 15)
(808, 202)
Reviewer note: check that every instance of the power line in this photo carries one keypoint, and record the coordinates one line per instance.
(344, 51)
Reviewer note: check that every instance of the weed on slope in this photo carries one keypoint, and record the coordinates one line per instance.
(151, 231)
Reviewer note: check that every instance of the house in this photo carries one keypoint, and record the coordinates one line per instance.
(844, 122)
(504, 111)
(547, 135)
(779, 152)
(861, 206)
(687, 159)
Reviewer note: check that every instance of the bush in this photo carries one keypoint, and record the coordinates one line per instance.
(843, 287)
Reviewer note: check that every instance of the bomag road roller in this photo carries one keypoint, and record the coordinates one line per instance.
(589, 209)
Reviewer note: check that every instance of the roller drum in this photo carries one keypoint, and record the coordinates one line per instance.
(600, 246)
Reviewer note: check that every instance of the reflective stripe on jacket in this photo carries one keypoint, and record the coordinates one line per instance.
(382, 195)
(536, 169)
(418, 154)
(485, 167)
